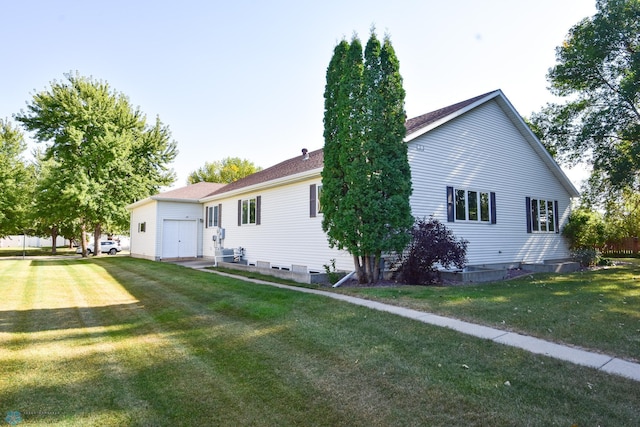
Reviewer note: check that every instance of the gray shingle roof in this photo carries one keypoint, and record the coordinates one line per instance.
(194, 191)
(287, 168)
(316, 158)
(417, 123)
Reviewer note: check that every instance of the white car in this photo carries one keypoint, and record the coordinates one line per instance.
(110, 247)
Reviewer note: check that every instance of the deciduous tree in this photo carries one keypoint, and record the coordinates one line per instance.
(16, 181)
(104, 148)
(54, 212)
(598, 73)
(224, 171)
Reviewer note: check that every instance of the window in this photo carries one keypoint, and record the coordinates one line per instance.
(213, 214)
(249, 211)
(470, 205)
(142, 227)
(315, 191)
(542, 215)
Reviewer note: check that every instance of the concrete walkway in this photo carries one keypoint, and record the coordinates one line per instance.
(598, 361)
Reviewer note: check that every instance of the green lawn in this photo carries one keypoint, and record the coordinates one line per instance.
(114, 341)
(44, 251)
(598, 309)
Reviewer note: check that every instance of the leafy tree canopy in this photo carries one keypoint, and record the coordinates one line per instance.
(585, 229)
(622, 216)
(224, 171)
(54, 211)
(16, 181)
(598, 73)
(106, 152)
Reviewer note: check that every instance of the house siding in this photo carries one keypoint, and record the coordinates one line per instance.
(482, 150)
(143, 244)
(480, 145)
(287, 234)
(148, 244)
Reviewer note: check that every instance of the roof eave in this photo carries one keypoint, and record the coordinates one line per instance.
(452, 116)
(538, 147)
(289, 179)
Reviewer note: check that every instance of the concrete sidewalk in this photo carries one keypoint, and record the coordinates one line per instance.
(574, 355)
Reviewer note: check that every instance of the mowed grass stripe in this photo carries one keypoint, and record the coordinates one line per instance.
(320, 358)
(68, 355)
(158, 344)
(156, 368)
(598, 309)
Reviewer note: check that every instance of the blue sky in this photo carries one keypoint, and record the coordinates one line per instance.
(246, 78)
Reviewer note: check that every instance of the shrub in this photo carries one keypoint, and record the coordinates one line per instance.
(584, 229)
(587, 257)
(332, 273)
(432, 244)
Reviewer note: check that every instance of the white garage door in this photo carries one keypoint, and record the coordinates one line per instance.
(179, 239)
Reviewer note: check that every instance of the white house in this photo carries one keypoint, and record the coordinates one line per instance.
(475, 166)
(169, 225)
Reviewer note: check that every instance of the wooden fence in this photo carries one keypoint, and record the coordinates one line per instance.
(626, 246)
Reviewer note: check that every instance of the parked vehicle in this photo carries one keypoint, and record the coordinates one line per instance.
(110, 247)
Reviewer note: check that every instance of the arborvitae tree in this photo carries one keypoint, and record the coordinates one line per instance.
(344, 85)
(388, 212)
(366, 177)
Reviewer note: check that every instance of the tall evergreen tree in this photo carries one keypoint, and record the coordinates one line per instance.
(344, 85)
(370, 183)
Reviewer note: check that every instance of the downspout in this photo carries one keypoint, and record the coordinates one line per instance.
(344, 279)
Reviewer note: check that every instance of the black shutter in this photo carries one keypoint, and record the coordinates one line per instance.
(528, 210)
(312, 201)
(492, 197)
(258, 206)
(206, 217)
(450, 205)
(220, 215)
(239, 213)
(555, 216)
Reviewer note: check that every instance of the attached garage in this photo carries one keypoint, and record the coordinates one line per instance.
(169, 225)
(179, 239)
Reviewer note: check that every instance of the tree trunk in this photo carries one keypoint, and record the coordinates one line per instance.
(360, 271)
(83, 240)
(376, 268)
(97, 232)
(54, 238)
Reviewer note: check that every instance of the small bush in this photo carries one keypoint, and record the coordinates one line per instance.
(432, 244)
(587, 257)
(604, 262)
(584, 229)
(332, 274)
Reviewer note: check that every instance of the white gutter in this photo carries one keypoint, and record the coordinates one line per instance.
(344, 279)
(289, 179)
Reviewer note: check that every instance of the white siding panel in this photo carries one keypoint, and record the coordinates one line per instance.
(143, 244)
(286, 235)
(482, 150)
